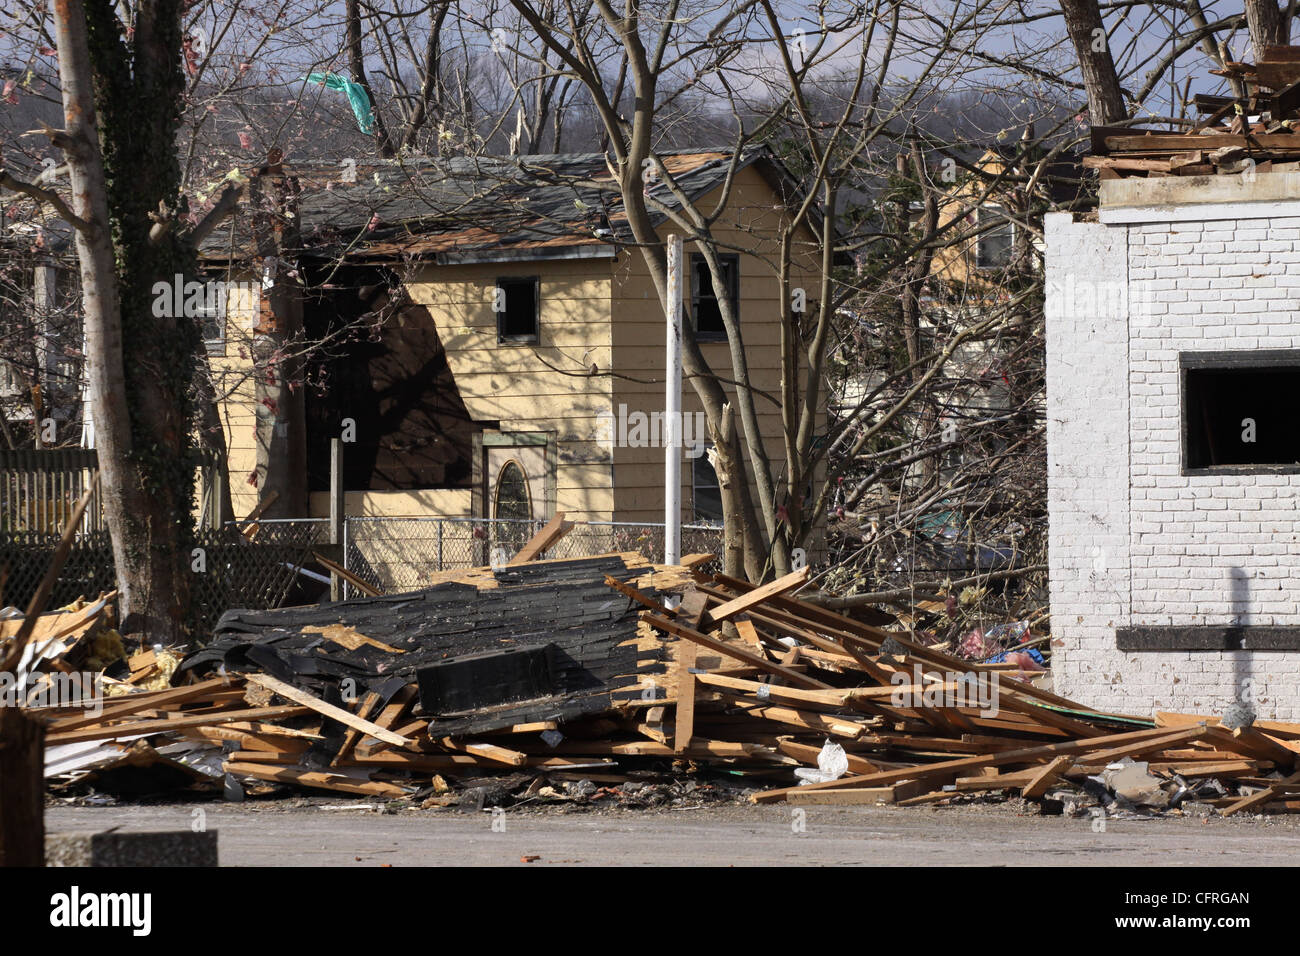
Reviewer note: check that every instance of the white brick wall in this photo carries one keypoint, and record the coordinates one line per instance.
(1132, 540)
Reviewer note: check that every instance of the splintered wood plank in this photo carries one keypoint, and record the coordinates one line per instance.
(850, 796)
(951, 767)
(1274, 728)
(731, 650)
(395, 710)
(266, 756)
(313, 778)
(1262, 797)
(639, 596)
(1044, 778)
(365, 587)
(684, 722)
(135, 703)
(536, 727)
(777, 693)
(689, 615)
(132, 728)
(551, 532)
(421, 763)
(350, 738)
(1252, 743)
(490, 752)
(760, 594)
(995, 781)
(289, 692)
(1134, 165)
(349, 638)
(748, 633)
(809, 720)
(1140, 747)
(1177, 142)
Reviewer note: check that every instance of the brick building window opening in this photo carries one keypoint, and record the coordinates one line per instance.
(517, 303)
(997, 238)
(1239, 411)
(704, 295)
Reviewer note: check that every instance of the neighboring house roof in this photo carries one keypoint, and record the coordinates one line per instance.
(476, 208)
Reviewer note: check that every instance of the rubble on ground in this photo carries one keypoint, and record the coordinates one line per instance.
(614, 682)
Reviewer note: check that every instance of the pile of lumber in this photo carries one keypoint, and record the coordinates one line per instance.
(380, 695)
(756, 667)
(613, 671)
(1252, 131)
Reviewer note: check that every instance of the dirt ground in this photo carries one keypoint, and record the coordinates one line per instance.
(323, 831)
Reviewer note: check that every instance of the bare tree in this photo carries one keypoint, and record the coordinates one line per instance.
(1268, 26)
(1092, 45)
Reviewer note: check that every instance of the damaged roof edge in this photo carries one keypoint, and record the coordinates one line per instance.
(1196, 197)
(540, 254)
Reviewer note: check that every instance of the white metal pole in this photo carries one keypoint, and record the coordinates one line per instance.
(673, 408)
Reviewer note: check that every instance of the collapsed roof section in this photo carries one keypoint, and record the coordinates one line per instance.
(476, 209)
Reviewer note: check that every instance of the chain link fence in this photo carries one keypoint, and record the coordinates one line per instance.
(393, 554)
(399, 554)
(228, 569)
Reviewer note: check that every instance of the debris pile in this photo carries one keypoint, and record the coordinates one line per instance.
(614, 681)
(1252, 131)
(912, 724)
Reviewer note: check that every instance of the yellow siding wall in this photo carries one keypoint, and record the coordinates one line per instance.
(639, 334)
(449, 502)
(233, 376)
(541, 387)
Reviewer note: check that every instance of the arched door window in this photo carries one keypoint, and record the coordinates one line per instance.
(512, 493)
(512, 504)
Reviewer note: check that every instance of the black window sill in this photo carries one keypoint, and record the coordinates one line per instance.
(1211, 470)
(1208, 637)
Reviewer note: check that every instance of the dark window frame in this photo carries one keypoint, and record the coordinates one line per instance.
(727, 259)
(531, 338)
(999, 212)
(1237, 360)
(218, 315)
(696, 485)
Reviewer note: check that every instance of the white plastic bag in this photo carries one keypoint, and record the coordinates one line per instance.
(832, 763)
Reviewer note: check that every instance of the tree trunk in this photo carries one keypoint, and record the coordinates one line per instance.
(357, 66)
(1105, 98)
(1267, 28)
(281, 411)
(121, 116)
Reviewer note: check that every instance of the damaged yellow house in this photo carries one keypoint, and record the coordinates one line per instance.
(481, 334)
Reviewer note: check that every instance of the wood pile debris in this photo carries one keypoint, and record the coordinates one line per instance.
(614, 679)
(1252, 131)
(913, 725)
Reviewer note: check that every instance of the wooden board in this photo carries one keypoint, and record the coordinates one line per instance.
(314, 778)
(760, 594)
(296, 694)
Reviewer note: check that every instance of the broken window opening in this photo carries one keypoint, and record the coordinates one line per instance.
(704, 295)
(517, 302)
(706, 493)
(1237, 410)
